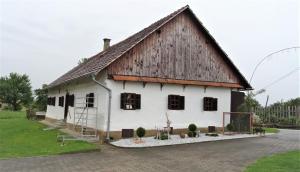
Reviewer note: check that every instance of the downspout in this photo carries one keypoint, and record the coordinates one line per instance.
(109, 106)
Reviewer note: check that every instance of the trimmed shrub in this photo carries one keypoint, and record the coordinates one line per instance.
(192, 127)
(192, 134)
(229, 127)
(163, 136)
(140, 132)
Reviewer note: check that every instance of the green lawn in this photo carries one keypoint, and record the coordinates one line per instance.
(284, 162)
(271, 130)
(20, 137)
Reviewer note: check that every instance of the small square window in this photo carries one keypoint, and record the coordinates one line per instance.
(61, 101)
(51, 101)
(210, 104)
(175, 102)
(130, 101)
(90, 100)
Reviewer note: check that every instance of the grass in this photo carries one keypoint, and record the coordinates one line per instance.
(271, 130)
(283, 162)
(20, 137)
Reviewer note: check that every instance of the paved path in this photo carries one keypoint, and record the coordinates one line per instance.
(230, 155)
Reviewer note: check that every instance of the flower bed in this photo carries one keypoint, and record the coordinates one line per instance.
(175, 140)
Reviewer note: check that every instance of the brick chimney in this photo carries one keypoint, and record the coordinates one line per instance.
(106, 43)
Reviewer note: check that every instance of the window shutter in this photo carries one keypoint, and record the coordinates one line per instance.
(137, 101)
(53, 101)
(169, 102)
(215, 104)
(122, 100)
(181, 102)
(205, 107)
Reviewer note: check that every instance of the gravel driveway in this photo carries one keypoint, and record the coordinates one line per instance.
(230, 155)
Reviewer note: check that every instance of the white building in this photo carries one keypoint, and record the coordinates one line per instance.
(173, 66)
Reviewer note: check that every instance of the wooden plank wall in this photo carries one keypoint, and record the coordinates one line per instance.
(179, 50)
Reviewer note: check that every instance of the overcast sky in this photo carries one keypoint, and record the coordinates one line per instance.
(44, 39)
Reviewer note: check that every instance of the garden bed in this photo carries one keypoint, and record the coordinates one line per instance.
(175, 140)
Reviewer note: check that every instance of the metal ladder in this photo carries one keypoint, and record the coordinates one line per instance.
(83, 119)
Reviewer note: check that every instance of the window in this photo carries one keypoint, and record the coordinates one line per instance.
(210, 104)
(90, 100)
(71, 100)
(175, 102)
(61, 101)
(51, 101)
(130, 101)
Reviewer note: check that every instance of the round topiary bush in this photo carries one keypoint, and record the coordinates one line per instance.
(229, 127)
(192, 127)
(140, 132)
(192, 134)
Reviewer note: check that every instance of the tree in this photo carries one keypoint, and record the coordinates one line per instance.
(291, 102)
(249, 103)
(41, 98)
(15, 90)
(82, 60)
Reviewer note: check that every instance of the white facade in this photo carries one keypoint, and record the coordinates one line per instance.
(80, 89)
(154, 106)
(154, 100)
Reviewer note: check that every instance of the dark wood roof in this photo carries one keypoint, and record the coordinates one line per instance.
(101, 60)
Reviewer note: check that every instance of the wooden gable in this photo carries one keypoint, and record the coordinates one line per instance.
(179, 50)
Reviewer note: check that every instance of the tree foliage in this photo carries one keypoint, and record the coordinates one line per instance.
(15, 90)
(41, 98)
(82, 60)
(249, 103)
(291, 102)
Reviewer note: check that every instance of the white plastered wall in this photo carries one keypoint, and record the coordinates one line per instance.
(80, 88)
(154, 106)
